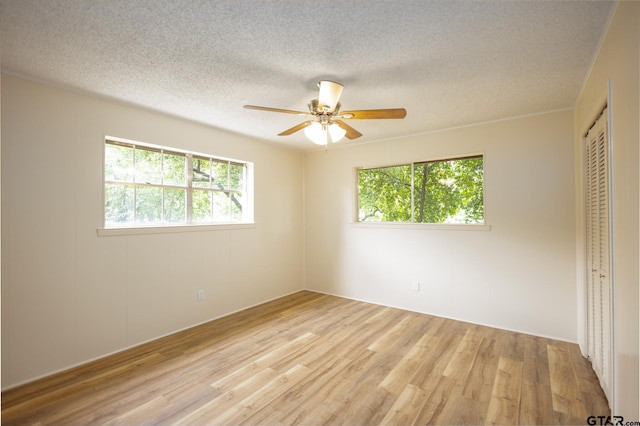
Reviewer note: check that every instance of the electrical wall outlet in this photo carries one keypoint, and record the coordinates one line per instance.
(415, 286)
(200, 295)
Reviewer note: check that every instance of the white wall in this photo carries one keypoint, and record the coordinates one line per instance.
(618, 63)
(68, 295)
(519, 275)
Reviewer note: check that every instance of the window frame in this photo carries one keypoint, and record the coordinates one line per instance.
(247, 191)
(356, 222)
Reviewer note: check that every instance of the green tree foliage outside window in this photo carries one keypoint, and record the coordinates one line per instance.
(447, 191)
(151, 186)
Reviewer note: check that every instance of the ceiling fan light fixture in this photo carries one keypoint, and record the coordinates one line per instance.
(336, 132)
(329, 94)
(321, 134)
(316, 134)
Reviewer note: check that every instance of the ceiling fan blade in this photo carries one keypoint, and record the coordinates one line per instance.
(364, 114)
(286, 111)
(296, 128)
(351, 132)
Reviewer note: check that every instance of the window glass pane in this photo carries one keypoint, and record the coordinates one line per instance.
(432, 199)
(118, 163)
(118, 204)
(174, 169)
(148, 166)
(384, 194)
(470, 185)
(201, 211)
(220, 174)
(237, 201)
(148, 204)
(175, 207)
(154, 186)
(449, 191)
(201, 173)
(220, 206)
(236, 177)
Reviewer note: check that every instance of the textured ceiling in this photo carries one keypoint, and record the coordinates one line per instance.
(449, 63)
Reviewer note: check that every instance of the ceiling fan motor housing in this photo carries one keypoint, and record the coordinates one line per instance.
(317, 109)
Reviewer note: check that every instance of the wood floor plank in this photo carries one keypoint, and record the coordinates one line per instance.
(337, 340)
(264, 361)
(310, 358)
(342, 342)
(335, 391)
(367, 409)
(468, 411)
(396, 381)
(536, 363)
(206, 413)
(181, 401)
(565, 393)
(464, 355)
(293, 406)
(441, 404)
(536, 407)
(407, 407)
(593, 396)
(504, 406)
(435, 363)
(238, 413)
(78, 384)
(479, 382)
(139, 414)
(393, 334)
(511, 345)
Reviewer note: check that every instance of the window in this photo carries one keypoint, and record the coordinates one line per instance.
(444, 191)
(155, 186)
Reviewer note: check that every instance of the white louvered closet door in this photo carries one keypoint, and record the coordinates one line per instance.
(599, 312)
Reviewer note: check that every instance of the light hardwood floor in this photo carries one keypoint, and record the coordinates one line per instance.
(310, 358)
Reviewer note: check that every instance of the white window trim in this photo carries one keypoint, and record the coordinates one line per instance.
(424, 226)
(172, 229)
(356, 223)
(168, 228)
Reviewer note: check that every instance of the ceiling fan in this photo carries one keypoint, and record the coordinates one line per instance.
(327, 126)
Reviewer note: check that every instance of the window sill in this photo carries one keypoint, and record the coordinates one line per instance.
(144, 230)
(424, 226)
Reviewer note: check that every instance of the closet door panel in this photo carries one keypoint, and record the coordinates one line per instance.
(597, 236)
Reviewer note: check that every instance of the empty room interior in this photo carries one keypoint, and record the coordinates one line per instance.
(299, 212)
